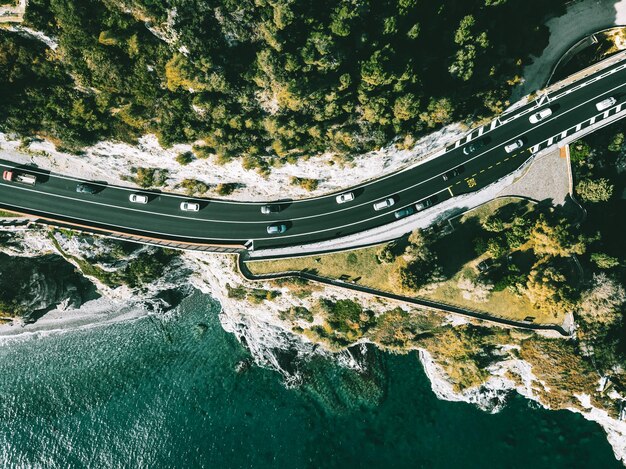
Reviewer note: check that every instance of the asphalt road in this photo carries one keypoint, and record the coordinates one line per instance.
(321, 218)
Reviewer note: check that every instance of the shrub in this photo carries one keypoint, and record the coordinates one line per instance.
(306, 183)
(185, 158)
(193, 186)
(226, 188)
(149, 177)
(595, 190)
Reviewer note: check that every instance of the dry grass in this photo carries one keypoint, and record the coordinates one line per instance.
(360, 265)
(5, 214)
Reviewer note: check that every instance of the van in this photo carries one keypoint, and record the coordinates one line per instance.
(605, 104)
(383, 204)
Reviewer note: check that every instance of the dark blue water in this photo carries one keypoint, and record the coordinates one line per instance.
(153, 393)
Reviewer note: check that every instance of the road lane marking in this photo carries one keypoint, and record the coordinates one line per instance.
(450, 190)
(313, 198)
(222, 201)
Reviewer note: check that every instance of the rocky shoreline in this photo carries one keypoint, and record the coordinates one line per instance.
(274, 341)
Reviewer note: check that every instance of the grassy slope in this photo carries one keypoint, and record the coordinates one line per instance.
(455, 252)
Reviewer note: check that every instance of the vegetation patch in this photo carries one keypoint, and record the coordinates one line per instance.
(253, 295)
(517, 267)
(277, 79)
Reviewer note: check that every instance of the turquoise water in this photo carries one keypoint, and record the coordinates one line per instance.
(153, 393)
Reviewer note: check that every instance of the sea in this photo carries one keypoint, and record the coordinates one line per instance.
(171, 392)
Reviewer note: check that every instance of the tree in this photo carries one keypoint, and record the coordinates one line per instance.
(556, 238)
(580, 151)
(547, 288)
(494, 224)
(386, 254)
(595, 190)
(616, 142)
(601, 307)
(604, 261)
(439, 111)
(418, 266)
(464, 32)
(405, 107)
(463, 65)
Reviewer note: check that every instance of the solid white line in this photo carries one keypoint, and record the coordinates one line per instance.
(336, 227)
(430, 179)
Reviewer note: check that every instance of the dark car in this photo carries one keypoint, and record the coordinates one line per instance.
(423, 204)
(85, 188)
(405, 212)
(270, 208)
(485, 265)
(453, 173)
(473, 147)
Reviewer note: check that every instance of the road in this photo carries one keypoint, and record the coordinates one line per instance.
(321, 218)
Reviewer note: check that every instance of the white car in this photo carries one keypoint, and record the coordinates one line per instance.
(383, 204)
(138, 198)
(189, 206)
(539, 116)
(605, 104)
(513, 145)
(346, 197)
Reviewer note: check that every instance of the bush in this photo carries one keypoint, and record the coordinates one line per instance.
(149, 177)
(305, 183)
(595, 190)
(193, 186)
(604, 261)
(226, 188)
(185, 158)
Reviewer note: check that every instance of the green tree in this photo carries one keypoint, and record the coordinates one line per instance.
(556, 238)
(616, 142)
(439, 111)
(548, 290)
(464, 32)
(595, 190)
(604, 261)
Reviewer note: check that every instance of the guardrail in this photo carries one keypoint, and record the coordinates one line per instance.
(418, 301)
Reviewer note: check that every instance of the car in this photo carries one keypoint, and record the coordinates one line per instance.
(270, 208)
(138, 198)
(424, 204)
(541, 115)
(405, 212)
(345, 197)
(188, 206)
(472, 147)
(385, 203)
(85, 188)
(276, 228)
(453, 173)
(485, 265)
(514, 145)
(606, 103)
